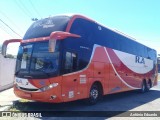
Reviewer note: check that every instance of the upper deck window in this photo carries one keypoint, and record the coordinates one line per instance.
(44, 27)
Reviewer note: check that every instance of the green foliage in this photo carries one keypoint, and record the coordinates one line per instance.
(0, 48)
(9, 56)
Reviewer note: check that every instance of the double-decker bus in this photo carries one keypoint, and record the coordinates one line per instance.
(66, 58)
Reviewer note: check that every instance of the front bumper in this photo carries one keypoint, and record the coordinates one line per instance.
(46, 96)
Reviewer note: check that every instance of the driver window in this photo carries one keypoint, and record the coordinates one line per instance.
(70, 62)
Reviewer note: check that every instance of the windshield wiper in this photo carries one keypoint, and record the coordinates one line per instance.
(48, 75)
(16, 73)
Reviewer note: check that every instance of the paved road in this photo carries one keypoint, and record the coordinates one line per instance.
(127, 101)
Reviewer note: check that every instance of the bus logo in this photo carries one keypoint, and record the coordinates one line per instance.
(140, 60)
(19, 81)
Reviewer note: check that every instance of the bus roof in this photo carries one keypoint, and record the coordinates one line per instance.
(75, 16)
(63, 23)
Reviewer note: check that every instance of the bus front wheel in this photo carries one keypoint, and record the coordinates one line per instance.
(94, 95)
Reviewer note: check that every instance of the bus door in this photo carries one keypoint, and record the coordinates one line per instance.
(69, 80)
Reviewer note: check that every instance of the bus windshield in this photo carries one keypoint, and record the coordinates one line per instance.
(34, 60)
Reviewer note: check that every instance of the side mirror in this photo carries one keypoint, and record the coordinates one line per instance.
(52, 45)
(59, 35)
(5, 44)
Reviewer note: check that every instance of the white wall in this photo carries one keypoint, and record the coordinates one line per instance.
(7, 68)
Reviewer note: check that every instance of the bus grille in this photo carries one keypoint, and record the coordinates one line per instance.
(26, 89)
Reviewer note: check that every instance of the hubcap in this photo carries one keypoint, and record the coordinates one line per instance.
(94, 94)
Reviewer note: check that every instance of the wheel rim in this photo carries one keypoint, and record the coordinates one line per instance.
(94, 94)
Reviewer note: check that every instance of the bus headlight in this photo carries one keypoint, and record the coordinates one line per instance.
(48, 87)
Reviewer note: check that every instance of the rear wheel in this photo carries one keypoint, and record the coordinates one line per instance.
(143, 86)
(149, 85)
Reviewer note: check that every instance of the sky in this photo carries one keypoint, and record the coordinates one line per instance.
(136, 18)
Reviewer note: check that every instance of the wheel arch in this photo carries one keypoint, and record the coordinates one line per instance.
(99, 84)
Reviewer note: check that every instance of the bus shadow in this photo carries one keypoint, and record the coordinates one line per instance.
(116, 102)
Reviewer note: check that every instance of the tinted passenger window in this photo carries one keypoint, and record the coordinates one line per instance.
(68, 60)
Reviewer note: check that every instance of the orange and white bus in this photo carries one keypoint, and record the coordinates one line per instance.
(66, 58)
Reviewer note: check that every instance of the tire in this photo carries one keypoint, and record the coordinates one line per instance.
(94, 95)
(149, 85)
(143, 87)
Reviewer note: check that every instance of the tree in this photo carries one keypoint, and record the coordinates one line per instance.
(0, 48)
(9, 56)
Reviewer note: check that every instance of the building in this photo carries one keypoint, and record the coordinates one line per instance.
(7, 67)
